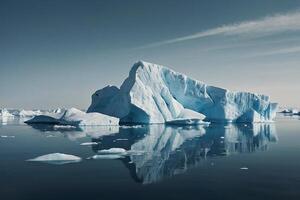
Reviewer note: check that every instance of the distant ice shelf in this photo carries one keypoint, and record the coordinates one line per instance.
(74, 117)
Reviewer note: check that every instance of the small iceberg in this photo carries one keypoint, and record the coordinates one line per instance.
(56, 158)
(4, 113)
(88, 143)
(113, 151)
(7, 136)
(244, 168)
(106, 157)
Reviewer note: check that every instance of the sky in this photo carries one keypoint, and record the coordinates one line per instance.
(56, 53)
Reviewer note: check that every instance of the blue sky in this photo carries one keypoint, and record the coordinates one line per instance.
(57, 53)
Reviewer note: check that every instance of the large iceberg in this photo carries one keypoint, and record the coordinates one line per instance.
(157, 94)
(74, 117)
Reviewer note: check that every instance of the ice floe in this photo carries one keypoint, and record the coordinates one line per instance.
(56, 158)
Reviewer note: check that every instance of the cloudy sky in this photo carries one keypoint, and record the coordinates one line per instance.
(56, 53)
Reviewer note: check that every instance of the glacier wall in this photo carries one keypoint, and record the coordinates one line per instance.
(157, 94)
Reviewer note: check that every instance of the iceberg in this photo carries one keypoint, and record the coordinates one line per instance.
(7, 136)
(56, 158)
(6, 114)
(88, 143)
(156, 94)
(112, 151)
(74, 117)
(106, 157)
(29, 113)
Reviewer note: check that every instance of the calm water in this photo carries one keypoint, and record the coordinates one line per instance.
(172, 163)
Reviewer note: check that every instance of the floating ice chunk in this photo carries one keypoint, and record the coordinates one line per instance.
(106, 156)
(56, 158)
(78, 117)
(157, 94)
(51, 136)
(121, 139)
(112, 151)
(88, 143)
(7, 136)
(292, 111)
(244, 168)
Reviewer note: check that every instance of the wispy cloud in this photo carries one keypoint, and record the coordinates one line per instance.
(287, 50)
(268, 25)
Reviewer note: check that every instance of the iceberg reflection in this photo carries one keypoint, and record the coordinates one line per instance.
(173, 150)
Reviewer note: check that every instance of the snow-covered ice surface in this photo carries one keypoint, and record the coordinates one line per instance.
(157, 94)
(74, 117)
(56, 158)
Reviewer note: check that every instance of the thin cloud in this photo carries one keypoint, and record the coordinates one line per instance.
(287, 50)
(268, 25)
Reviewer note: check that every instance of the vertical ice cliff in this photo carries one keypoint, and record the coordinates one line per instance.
(157, 94)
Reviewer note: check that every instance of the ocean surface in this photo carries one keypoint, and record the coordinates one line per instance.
(219, 161)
